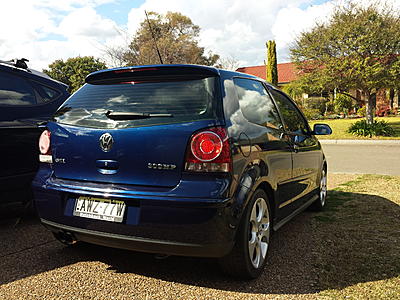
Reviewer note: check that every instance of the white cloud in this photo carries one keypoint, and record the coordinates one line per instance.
(85, 22)
(230, 28)
(291, 20)
(27, 23)
(68, 5)
(241, 28)
(45, 30)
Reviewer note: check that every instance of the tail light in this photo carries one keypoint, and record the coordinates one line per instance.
(44, 147)
(209, 151)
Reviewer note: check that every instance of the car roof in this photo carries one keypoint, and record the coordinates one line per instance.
(12, 64)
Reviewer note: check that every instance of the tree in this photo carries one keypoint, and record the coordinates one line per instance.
(176, 38)
(228, 63)
(272, 67)
(395, 82)
(357, 48)
(74, 70)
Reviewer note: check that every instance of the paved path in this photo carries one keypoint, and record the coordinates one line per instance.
(370, 157)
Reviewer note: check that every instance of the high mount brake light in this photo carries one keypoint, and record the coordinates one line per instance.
(134, 70)
(44, 147)
(209, 151)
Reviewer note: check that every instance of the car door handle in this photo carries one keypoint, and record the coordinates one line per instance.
(107, 164)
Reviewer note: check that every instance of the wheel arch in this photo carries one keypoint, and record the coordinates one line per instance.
(267, 188)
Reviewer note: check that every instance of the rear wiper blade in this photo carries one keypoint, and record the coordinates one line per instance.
(119, 115)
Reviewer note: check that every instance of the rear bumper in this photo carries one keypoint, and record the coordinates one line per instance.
(139, 244)
(156, 222)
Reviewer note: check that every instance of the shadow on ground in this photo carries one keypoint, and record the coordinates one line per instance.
(313, 252)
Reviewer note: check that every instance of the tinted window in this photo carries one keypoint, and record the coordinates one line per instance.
(292, 117)
(15, 90)
(185, 100)
(46, 94)
(256, 104)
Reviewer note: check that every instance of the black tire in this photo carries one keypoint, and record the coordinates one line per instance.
(238, 262)
(320, 203)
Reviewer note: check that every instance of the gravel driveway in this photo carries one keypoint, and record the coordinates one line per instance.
(35, 266)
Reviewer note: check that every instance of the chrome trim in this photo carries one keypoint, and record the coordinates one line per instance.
(158, 166)
(106, 142)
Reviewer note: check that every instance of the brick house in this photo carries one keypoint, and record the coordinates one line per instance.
(287, 72)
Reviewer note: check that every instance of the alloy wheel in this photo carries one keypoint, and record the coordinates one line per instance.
(323, 188)
(259, 232)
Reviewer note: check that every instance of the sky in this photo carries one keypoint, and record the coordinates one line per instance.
(45, 30)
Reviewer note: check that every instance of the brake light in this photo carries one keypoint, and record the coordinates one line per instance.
(44, 147)
(209, 151)
(134, 70)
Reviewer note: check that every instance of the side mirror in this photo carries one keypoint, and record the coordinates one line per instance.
(322, 129)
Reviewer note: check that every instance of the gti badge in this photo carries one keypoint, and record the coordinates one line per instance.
(106, 142)
(60, 160)
(161, 166)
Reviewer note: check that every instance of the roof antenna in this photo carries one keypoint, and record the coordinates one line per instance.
(152, 34)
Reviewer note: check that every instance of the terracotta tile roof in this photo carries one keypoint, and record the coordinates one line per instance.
(286, 72)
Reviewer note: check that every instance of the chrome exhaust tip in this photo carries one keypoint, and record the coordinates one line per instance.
(65, 237)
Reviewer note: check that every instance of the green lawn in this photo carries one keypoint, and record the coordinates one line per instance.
(359, 240)
(340, 126)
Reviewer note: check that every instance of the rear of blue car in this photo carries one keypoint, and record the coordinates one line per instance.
(139, 159)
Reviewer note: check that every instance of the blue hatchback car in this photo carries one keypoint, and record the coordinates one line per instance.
(179, 160)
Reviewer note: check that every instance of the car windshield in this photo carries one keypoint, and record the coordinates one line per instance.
(165, 101)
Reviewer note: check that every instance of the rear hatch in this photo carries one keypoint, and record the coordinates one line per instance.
(132, 126)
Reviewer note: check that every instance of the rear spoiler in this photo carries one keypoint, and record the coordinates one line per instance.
(151, 74)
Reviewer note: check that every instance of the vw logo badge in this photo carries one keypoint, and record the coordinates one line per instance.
(106, 142)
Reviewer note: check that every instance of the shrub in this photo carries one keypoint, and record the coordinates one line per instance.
(343, 104)
(377, 128)
(312, 114)
(333, 116)
(383, 111)
(330, 107)
(318, 103)
(362, 111)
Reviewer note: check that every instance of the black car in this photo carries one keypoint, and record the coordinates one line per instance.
(180, 160)
(27, 98)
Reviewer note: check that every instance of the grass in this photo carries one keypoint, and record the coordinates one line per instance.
(340, 126)
(359, 239)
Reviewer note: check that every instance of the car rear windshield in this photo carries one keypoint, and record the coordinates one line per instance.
(163, 102)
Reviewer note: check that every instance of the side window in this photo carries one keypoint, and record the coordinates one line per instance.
(15, 90)
(256, 104)
(46, 94)
(291, 115)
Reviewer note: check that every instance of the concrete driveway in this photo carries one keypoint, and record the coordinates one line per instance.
(363, 156)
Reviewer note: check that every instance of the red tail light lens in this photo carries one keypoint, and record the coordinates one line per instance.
(44, 147)
(209, 151)
(206, 146)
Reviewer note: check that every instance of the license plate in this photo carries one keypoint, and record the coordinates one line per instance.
(100, 209)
